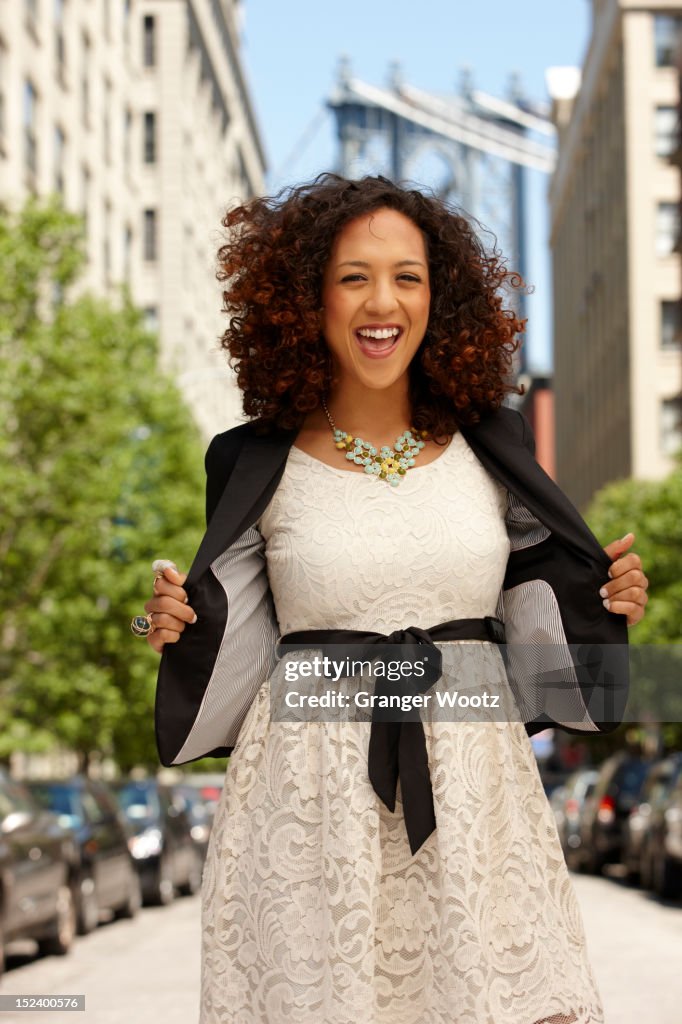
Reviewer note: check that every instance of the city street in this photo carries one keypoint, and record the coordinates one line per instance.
(148, 970)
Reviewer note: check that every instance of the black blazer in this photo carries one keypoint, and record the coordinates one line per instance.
(568, 662)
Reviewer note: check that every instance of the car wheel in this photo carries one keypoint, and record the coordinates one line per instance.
(133, 902)
(193, 883)
(645, 868)
(632, 876)
(666, 879)
(59, 942)
(164, 889)
(87, 907)
(593, 863)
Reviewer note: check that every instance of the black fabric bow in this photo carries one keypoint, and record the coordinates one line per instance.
(397, 745)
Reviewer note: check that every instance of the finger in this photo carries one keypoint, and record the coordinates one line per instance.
(625, 564)
(159, 637)
(634, 612)
(616, 547)
(634, 595)
(164, 586)
(172, 574)
(633, 578)
(163, 621)
(171, 607)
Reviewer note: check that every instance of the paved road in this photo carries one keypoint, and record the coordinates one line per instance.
(131, 972)
(147, 970)
(635, 947)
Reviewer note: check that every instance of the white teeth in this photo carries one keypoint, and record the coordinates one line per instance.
(379, 334)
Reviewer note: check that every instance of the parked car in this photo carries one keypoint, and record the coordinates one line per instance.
(568, 802)
(638, 848)
(662, 856)
(200, 814)
(166, 856)
(601, 827)
(38, 861)
(107, 877)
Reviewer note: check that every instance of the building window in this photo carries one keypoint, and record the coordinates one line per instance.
(3, 100)
(59, 147)
(59, 44)
(150, 234)
(150, 154)
(151, 319)
(667, 228)
(30, 117)
(85, 80)
(671, 324)
(106, 243)
(85, 197)
(671, 425)
(666, 39)
(31, 12)
(665, 130)
(149, 41)
(127, 252)
(127, 133)
(106, 123)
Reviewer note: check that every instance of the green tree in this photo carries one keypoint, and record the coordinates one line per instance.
(652, 510)
(101, 470)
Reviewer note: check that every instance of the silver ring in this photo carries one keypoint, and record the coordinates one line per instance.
(142, 625)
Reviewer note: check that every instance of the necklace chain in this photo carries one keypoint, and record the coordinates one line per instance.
(389, 463)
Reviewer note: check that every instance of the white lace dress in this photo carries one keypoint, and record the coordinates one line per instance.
(314, 911)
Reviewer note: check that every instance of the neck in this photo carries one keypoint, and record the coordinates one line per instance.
(371, 413)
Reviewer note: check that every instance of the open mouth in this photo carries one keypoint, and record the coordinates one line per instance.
(377, 343)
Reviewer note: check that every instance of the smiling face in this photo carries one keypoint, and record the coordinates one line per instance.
(376, 298)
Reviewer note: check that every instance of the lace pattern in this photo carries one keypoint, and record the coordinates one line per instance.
(314, 911)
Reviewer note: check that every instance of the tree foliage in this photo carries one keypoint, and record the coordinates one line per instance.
(101, 471)
(652, 510)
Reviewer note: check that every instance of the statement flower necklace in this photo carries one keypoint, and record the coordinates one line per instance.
(389, 464)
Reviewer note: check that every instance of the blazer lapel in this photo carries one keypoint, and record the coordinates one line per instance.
(515, 467)
(252, 483)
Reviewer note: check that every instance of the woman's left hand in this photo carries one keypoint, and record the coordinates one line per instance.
(626, 593)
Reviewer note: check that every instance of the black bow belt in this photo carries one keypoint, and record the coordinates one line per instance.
(397, 749)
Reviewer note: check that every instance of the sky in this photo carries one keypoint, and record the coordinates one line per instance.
(291, 52)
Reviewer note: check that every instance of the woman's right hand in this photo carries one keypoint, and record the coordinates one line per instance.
(171, 610)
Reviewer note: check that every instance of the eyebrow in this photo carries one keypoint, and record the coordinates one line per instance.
(400, 263)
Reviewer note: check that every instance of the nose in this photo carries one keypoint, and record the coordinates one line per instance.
(382, 298)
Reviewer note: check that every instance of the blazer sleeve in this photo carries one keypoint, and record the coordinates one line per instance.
(208, 679)
(567, 656)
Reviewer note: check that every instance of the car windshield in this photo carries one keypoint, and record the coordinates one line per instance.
(13, 798)
(140, 803)
(629, 776)
(194, 806)
(62, 800)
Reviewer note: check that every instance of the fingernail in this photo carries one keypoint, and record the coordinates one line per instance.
(186, 600)
(194, 619)
(607, 604)
(603, 592)
(610, 574)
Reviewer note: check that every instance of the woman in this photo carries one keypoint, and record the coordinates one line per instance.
(402, 871)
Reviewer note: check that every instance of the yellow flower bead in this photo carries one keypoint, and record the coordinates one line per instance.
(340, 444)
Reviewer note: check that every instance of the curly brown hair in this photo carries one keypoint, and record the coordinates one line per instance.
(273, 264)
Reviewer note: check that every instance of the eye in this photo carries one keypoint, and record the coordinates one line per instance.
(352, 277)
(412, 278)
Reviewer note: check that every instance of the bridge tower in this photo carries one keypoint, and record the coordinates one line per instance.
(473, 149)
